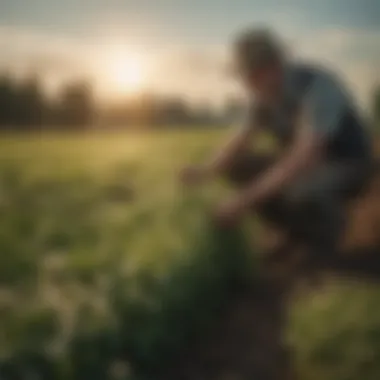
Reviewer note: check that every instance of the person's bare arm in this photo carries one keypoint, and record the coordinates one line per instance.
(229, 152)
(318, 123)
(225, 156)
(306, 152)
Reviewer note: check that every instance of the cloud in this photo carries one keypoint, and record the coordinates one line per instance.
(354, 53)
(26, 51)
(342, 42)
(195, 70)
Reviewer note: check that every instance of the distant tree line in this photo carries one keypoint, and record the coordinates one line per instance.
(24, 105)
(157, 111)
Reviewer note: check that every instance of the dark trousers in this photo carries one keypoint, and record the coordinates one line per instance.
(311, 209)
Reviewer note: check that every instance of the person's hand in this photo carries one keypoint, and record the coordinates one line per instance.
(193, 175)
(231, 212)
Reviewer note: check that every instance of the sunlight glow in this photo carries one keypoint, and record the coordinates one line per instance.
(124, 72)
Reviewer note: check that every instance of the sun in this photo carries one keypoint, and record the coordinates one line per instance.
(124, 73)
(127, 75)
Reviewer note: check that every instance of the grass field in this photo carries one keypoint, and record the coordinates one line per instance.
(82, 213)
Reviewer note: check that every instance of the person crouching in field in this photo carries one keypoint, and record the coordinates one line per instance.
(326, 150)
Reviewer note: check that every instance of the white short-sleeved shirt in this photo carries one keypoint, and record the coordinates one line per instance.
(317, 92)
(328, 110)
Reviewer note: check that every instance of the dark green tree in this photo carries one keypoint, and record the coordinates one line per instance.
(76, 106)
(7, 101)
(31, 103)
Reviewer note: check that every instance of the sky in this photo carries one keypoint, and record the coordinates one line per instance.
(182, 45)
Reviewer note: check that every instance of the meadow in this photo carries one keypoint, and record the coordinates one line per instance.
(90, 223)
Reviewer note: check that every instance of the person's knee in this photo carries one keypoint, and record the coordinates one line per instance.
(318, 220)
(305, 193)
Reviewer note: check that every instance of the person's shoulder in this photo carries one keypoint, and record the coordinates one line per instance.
(306, 77)
(312, 71)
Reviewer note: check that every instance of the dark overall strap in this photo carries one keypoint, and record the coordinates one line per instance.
(304, 80)
(351, 140)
